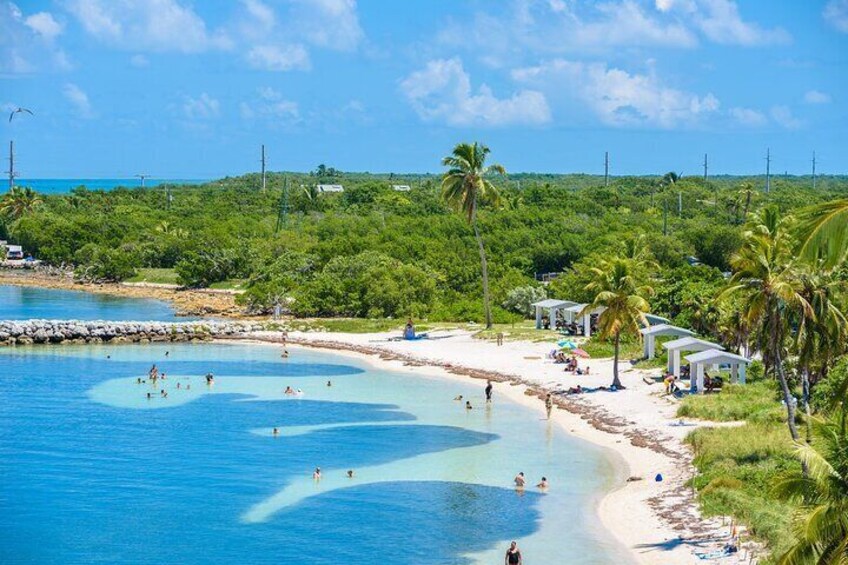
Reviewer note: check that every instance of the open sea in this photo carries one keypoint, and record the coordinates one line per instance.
(61, 186)
(94, 471)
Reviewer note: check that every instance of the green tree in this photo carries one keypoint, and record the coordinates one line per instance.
(18, 202)
(625, 301)
(823, 232)
(465, 187)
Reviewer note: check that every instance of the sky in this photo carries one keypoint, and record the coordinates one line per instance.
(192, 89)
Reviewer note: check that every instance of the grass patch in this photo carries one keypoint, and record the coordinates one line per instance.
(601, 349)
(753, 402)
(523, 331)
(154, 276)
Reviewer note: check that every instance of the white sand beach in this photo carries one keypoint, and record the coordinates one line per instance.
(657, 521)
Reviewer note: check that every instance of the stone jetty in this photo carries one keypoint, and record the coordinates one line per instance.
(25, 332)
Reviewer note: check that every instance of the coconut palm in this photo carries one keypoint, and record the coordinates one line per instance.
(766, 280)
(465, 187)
(823, 232)
(822, 523)
(18, 202)
(625, 301)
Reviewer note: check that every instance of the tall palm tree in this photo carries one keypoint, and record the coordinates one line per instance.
(625, 301)
(464, 187)
(18, 202)
(766, 280)
(822, 524)
(823, 232)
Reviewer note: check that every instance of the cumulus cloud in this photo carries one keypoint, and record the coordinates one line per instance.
(278, 58)
(333, 24)
(748, 117)
(154, 25)
(836, 14)
(721, 22)
(442, 91)
(783, 117)
(619, 98)
(28, 43)
(139, 61)
(204, 107)
(816, 97)
(78, 99)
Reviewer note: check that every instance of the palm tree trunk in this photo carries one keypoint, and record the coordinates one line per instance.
(789, 400)
(805, 383)
(484, 267)
(616, 382)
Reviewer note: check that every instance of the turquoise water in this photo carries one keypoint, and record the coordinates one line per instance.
(58, 186)
(21, 303)
(95, 472)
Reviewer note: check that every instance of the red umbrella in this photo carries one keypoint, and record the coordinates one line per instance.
(581, 353)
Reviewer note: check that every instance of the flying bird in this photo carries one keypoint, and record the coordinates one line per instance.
(18, 111)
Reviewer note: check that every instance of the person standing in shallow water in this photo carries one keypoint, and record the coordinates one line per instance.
(513, 555)
(488, 391)
(549, 404)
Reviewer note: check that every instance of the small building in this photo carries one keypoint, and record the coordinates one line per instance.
(677, 347)
(552, 305)
(401, 187)
(574, 312)
(698, 362)
(652, 332)
(330, 188)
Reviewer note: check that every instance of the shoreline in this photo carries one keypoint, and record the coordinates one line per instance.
(657, 523)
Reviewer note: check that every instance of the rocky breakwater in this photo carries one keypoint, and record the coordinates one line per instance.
(24, 332)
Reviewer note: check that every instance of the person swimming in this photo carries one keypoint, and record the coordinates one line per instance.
(350, 473)
(210, 378)
(317, 474)
(275, 432)
(138, 380)
(164, 393)
(329, 383)
(543, 484)
(468, 405)
(288, 390)
(178, 385)
(149, 396)
(519, 480)
(167, 353)
(459, 398)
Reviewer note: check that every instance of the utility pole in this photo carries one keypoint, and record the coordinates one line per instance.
(680, 204)
(11, 170)
(283, 213)
(705, 167)
(768, 170)
(263, 167)
(814, 170)
(606, 168)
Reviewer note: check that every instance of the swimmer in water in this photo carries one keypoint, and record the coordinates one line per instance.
(468, 405)
(276, 432)
(167, 353)
(519, 480)
(164, 394)
(317, 474)
(288, 390)
(178, 385)
(543, 484)
(138, 380)
(148, 396)
(329, 383)
(350, 473)
(458, 398)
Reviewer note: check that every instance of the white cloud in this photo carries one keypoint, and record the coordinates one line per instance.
(272, 107)
(204, 107)
(261, 15)
(442, 92)
(721, 22)
(782, 116)
(28, 43)
(278, 58)
(44, 25)
(155, 25)
(333, 24)
(748, 117)
(79, 99)
(836, 14)
(139, 61)
(619, 98)
(816, 97)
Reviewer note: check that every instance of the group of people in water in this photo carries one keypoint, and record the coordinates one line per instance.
(520, 482)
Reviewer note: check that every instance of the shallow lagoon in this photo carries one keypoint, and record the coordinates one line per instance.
(94, 472)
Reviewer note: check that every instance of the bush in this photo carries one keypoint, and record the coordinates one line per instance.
(95, 263)
(199, 269)
(520, 299)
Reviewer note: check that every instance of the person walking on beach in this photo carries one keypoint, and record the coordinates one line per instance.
(549, 404)
(488, 391)
(513, 555)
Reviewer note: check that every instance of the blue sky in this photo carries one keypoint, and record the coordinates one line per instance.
(190, 89)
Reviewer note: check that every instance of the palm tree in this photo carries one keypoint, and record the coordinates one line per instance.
(625, 303)
(766, 280)
(823, 232)
(822, 524)
(19, 201)
(464, 187)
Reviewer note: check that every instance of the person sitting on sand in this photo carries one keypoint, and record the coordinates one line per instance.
(549, 404)
(275, 432)
(350, 473)
(317, 474)
(575, 390)
(513, 555)
(409, 330)
(543, 484)
(468, 405)
(519, 480)
(459, 398)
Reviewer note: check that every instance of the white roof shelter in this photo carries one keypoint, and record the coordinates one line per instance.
(652, 332)
(691, 344)
(574, 311)
(713, 357)
(401, 187)
(553, 306)
(330, 188)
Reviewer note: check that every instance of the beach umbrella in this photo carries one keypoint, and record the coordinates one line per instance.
(567, 344)
(581, 353)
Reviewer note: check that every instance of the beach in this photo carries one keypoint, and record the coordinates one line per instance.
(657, 521)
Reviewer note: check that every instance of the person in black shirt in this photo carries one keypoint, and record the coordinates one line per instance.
(488, 391)
(513, 555)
